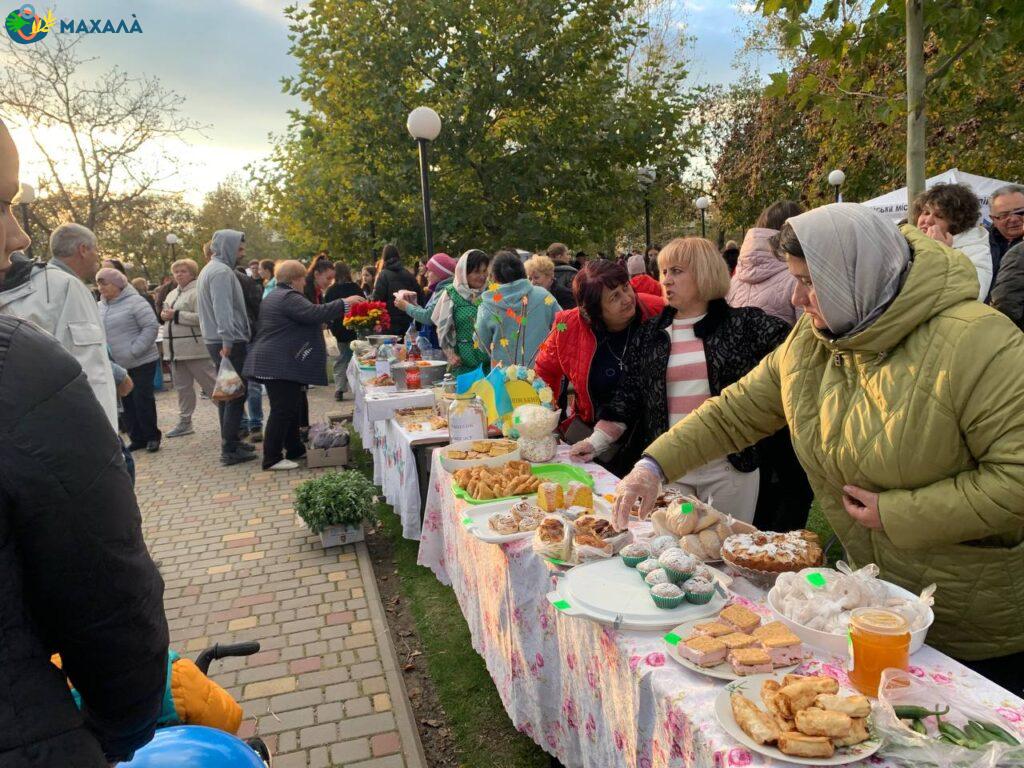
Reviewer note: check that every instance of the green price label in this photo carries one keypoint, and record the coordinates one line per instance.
(686, 509)
(467, 521)
(672, 638)
(816, 580)
(561, 605)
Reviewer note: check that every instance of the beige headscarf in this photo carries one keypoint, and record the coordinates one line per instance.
(856, 258)
(443, 316)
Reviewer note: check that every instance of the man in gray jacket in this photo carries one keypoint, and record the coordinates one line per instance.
(225, 329)
(55, 299)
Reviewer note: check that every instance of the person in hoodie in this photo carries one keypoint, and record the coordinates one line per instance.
(225, 327)
(53, 295)
(515, 316)
(394, 277)
(762, 280)
(565, 273)
(441, 271)
(636, 266)
(903, 394)
(950, 213)
(131, 329)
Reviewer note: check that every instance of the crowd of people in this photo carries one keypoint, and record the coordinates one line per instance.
(829, 355)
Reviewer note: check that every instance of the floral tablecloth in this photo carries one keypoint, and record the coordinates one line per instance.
(590, 695)
(399, 479)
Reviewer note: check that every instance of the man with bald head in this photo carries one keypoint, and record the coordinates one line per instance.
(53, 295)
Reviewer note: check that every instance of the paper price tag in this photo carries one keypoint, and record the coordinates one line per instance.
(672, 638)
(686, 509)
(561, 604)
(467, 521)
(816, 580)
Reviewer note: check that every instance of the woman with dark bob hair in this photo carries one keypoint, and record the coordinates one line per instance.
(950, 213)
(904, 397)
(587, 348)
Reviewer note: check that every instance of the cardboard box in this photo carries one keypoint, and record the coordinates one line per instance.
(336, 535)
(326, 457)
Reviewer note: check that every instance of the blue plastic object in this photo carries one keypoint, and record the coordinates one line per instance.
(194, 746)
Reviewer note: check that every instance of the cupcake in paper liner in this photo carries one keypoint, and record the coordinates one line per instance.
(644, 567)
(667, 596)
(699, 591)
(657, 576)
(635, 553)
(677, 564)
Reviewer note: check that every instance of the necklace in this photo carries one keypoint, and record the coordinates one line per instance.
(618, 357)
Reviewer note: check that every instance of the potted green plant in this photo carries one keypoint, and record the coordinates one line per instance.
(335, 504)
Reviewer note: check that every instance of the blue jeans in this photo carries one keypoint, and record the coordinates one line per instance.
(253, 420)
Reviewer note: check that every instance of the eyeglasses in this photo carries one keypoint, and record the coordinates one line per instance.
(1018, 212)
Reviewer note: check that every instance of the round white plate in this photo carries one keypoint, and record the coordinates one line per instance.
(751, 688)
(475, 518)
(610, 592)
(721, 671)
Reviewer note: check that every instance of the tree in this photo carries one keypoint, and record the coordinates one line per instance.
(548, 106)
(964, 38)
(231, 206)
(107, 125)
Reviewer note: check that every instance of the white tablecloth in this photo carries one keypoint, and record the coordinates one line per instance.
(399, 478)
(590, 695)
(376, 404)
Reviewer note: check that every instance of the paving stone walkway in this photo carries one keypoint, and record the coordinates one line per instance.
(238, 565)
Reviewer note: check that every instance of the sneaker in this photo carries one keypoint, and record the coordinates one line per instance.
(339, 396)
(246, 448)
(183, 428)
(136, 447)
(153, 446)
(227, 459)
(282, 465)
(256, 435)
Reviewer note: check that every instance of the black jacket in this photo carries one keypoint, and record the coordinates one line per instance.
(1008, 288)
(395, 277)
(999, 245)
(561, 289)
(290, 344)
(252, 292)
(342, 291)
(735, 340)
(75, 575)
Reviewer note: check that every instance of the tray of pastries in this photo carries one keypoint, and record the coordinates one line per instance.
(798, 719)
(469, 454)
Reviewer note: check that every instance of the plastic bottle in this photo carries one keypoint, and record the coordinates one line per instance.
(385, 356)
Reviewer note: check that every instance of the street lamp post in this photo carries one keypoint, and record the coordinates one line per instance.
(172, 240)
(26, 196)
(424, 125)
(836, 178)
(702, 204)
(646, 176)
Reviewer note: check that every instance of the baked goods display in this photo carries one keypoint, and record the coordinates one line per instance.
(384, 380)
(482, 449)
(512, 479)
(553, 538)
(420, 419)
(589, 537)
(698, 528)
(803, 716)
(767, 554)
(522, 517)
(823, 599)
(737, 640)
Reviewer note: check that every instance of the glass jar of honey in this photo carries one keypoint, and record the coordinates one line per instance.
(879, 639)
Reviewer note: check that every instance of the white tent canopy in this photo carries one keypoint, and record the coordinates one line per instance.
(894, 204)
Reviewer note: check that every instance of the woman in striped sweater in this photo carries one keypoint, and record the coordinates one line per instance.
(697, 347)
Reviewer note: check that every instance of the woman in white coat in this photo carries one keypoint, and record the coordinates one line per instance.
(950, 213)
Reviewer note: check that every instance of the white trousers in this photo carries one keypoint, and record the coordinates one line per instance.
(721, 485)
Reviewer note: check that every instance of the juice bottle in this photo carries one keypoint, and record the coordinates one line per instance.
(879, 639)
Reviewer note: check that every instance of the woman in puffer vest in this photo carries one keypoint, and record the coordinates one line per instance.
(905, 400)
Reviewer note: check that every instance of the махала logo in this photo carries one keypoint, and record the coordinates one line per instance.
(24, 26)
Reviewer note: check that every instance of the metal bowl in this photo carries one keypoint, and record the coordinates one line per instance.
(430, 374)
(376, 339)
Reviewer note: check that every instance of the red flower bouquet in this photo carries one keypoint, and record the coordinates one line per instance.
(368, 316)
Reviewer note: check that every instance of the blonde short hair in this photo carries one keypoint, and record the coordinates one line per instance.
(539, 265)
(286, 272)
(701, 257)
(140, 285)
(189, 264)
(208, 249)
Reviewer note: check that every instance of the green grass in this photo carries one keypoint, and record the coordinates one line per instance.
(816, 522)
(482, 731)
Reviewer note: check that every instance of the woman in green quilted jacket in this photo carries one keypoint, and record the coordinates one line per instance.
(454, 314)
(905, 399)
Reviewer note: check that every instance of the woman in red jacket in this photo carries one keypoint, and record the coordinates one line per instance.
(587, 346)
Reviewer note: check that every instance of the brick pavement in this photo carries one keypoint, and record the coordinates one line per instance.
(238, 564)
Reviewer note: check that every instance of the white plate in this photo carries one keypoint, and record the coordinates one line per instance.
(475, 518)
(721, 671)
(610, 592)
(453, 465)
(751, 688)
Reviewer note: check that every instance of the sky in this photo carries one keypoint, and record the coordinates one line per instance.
(227, 58)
